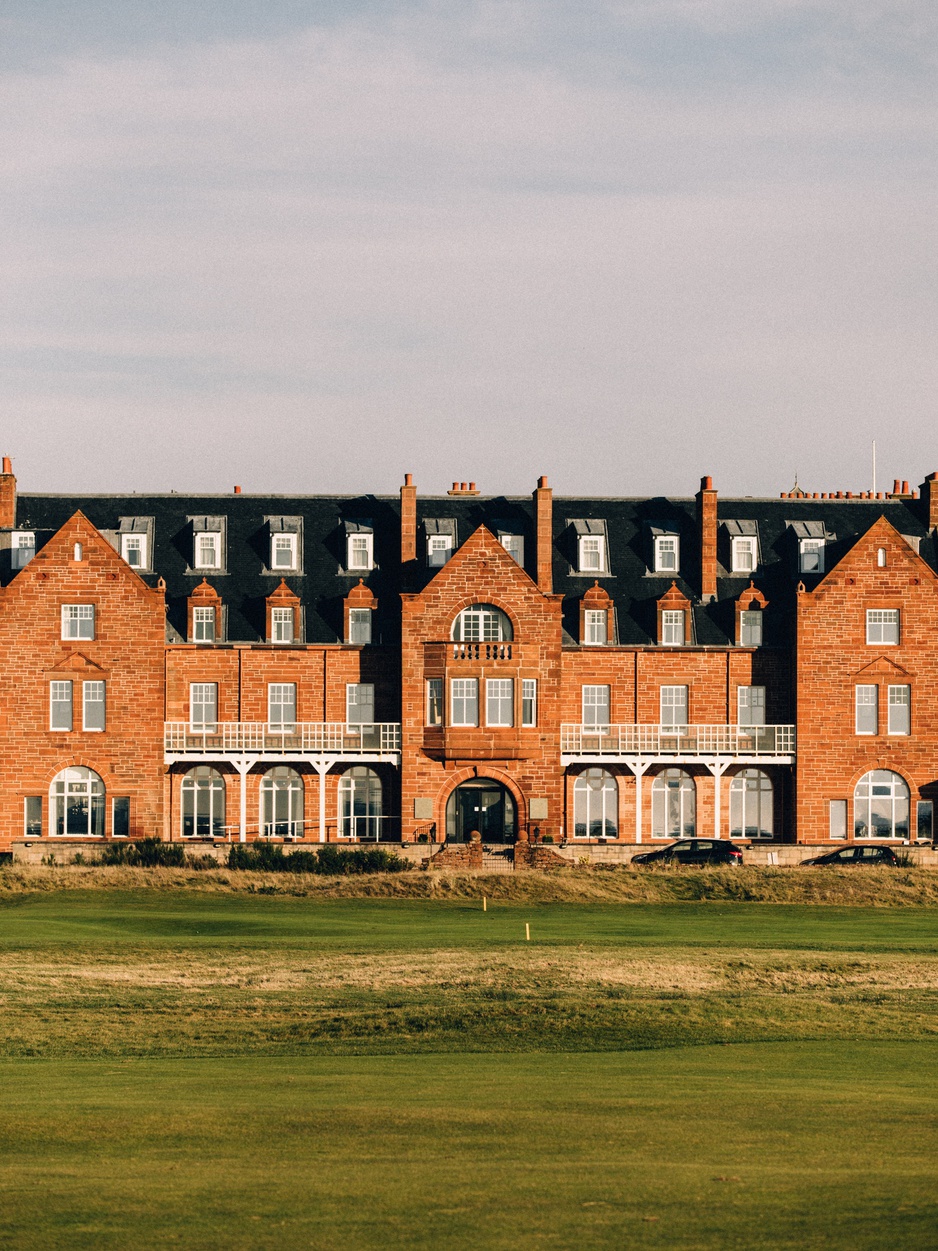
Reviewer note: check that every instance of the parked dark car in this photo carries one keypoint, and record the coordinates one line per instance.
(856, 855)
(693, 851)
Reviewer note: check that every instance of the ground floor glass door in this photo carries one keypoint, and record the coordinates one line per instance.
(482, 805)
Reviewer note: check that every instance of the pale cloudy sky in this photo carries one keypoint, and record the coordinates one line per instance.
(311, 246)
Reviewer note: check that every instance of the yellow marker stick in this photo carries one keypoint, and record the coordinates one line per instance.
(485, 904)
(527, 931)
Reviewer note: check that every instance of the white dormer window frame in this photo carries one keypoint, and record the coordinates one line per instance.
(595, 626)
(591, 553)
(439, 550)
(134, 549)
(673, 627)
(22, 548)
(360, 625)
(811, 555)
(745, 556)
(282, 625)
(667, 553)
(514, 546)
(207, 554)
(360, 551)
(283, 549)
(203, 624)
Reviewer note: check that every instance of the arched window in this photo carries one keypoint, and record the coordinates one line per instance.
(76, 803)
(881, 806)
(282, 803)
(751, 805)
(203, 803)
(482, 623)
(360, 803)
(595, 805)
(673, 805)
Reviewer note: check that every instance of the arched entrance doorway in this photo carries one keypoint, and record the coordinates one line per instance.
(481, 804)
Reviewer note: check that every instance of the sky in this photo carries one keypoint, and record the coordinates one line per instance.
(309, 247)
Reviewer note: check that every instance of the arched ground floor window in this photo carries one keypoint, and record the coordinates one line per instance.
(673, 805)
(360, 803)
(751, 805)
(881, 806)
(282, 803)
(76, 803)
(595, 805)
(203, 803)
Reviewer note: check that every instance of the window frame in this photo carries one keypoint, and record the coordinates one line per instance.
(528, 702)
(863, 701)
(671, 618)
(16, 550)
(205, 726)
(61, 703)
(281, 617)
(277, 539)
(434, 704)
(596, 697)
(663, 544)
(663, 704)
(439, 544)
(198, 622)
(276, 692)
(366, 540)
(78, 618)
(899, 703)
(354, 691)
(744, 543)
(878, 621)
(584, 545)
(745, 699)
(465, 698)
(130, 538)
(500, 699)
(357, 618)
(807, 547)
(595, 627)
(514, 540)
(90, 691)
(198, 538)
(748, 619)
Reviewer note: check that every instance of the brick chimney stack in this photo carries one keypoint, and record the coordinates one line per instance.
(408, 520)
(7, 496)
(930, 499)
(707, 527)
(544, 535)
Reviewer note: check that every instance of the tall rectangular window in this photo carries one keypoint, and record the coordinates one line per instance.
(500, 701)
(23, 548)
(595, 705)
(203, 705)
(514, 546)
(750, 705)
(203, 625)
(60, 706)
(811, 556)
(281, 706)
(867, 709)
(924, 820)
(592, 553)
(529, 701)
(882, 625)
(281, 625)
(672, 627)
(78, 621)
(594, 622)
(464, 701)
(674, 705)
(359, 625)
(744, 555)
(360, 703)
(439, 550)
(750, 628)
(283, 551)
(899, 720)
(32, 816)
(120, 816)
(92, 705)
(435, 701)
(837, 818)
(134, 550)
(667, 553)
(360, 551)
(207, 549)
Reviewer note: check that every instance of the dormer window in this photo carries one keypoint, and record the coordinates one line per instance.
(744, 554)
(281, 625)
(514, 546)
(359, 625)
(23, 548)
(282, 551)
(208, 550)
(811, 556)
(134, 550)
(672, 627)
(360, 551)
(592, 553)
(439, 550)
(595, 626)
(750, 627)
(667, 553)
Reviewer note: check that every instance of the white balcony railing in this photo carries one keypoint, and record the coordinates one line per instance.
(331, 738)
(683, 740)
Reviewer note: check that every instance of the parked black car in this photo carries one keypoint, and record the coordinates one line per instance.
(875, 854)
(693, 851)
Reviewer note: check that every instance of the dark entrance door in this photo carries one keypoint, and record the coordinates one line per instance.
(481, 805)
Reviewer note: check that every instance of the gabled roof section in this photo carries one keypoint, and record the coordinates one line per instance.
(882, 665)
(483, 558)
(881, 532)
(76, 662)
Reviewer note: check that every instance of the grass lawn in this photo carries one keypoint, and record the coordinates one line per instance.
(212, 1070)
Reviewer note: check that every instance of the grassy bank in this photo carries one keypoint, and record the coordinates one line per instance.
(884, 888)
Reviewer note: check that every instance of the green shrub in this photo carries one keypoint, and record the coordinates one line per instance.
(145, 853)
(271, 858)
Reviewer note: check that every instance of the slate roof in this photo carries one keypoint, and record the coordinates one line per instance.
(323, 582)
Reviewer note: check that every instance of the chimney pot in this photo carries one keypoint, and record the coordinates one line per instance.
(408, 479)
(237, 490)
(455, 486)
(542, 481)
(706, 483)
(8, 465)
(905, 488)
(472, 486)
(895, 486)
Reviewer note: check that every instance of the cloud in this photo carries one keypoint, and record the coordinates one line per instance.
(447, 239)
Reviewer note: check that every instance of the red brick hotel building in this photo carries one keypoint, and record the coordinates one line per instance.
(411, 669)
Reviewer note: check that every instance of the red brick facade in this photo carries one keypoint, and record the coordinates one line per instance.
(510, 709)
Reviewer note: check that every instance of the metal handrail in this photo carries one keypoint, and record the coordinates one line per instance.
(304, 737)
(677, 740)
